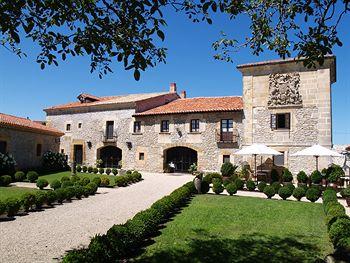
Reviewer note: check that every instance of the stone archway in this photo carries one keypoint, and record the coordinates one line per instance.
(181, 157)
(110, 155)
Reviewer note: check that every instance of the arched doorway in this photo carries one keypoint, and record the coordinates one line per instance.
(181, 157)
(110, 155)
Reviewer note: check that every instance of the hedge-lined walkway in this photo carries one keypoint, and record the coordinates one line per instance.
(42, 236)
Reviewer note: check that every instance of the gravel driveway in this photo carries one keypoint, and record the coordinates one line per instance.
(45, 236)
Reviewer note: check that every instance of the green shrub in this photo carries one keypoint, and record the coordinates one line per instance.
(345, 193)
(318, 189)
(302, 177)
(101, 170)
(290, 186)
(231, 189)
(217, 186)
(32, 176)
(20, 176)
(60, 194)
(5, 180)
(84, 168)
(250, 185)
(95, 170)
(96, 180)
(228, 169)
(129, 178)
(90, 169)
(120, 181)
(78, 168)
(65, 178)
(316, 177)
(7, 164)
(239, 183)
(329, 195)
(285, 192)
(329, 205)
(74, 179)
(334, 213)
(274, 175)
(334, 172)
(51, 197)
(115, 171)
(339, 229)
(92, 187)
(12, 206)
(104, 181)
(2, 207)
(55, 184)
(40, 199)
(312, 194)
(276, 186)
(28, 200)
(287, 176)
(261, 186)
(86, 191)
(108, 171)
(84, 181)
(54, 161)
(137, 176)
(66, 184)
(299, 193)
(210, 176)
(42, 183)
(269, 191)
(79, 191)
(205, 187)
(70, 192)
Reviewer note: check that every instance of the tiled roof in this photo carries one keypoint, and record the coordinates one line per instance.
(25, 124)
(192, 105)
(108, 100)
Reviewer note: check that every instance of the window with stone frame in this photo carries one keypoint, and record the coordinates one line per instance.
(80, 125)
(141, 156)
(164, 127)
(68, 125)
(280, 121)
(226, 158)
(194, 126)
(3, 147)
(38, 149)
(137, 127)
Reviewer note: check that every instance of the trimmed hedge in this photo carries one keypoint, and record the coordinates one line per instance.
(121, 240)
(210, 176)
(218, 188)
(42, 183)
(269, 191)
(299, 193)
(239, 183)
(5, 180)
(250, 185)
(261, 186)
(20, 176)
(312, 194)
(231, 189)
(287, 176)
(285, 192)
(302, 177)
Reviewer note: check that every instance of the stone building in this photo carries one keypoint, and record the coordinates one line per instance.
(27, 140)
(284, 105)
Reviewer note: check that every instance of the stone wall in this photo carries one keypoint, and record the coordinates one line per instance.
(23, 145)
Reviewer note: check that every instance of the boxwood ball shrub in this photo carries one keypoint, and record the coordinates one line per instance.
(32, 176)
(269, 191)
(79, 191)
(334, 213)
(340, 229)
(51, 197)
(285, 192)
(290, 185)
(92, 188)
(316, 177)
(287, 175)
(218, 188)
(261, 186)
(60, 194)
(227, 169)
(65, 178)
(231, 189)
(28, 201)
(5, 180)
(12, 206)
(42, 183)
(108, 171)
(84, 181)
(66, 184)
(20, 176)
(120, 181)
(276, 186)
(84, 168)
(115, 171)
(250, 185)
(210, 176)
(104, 181)
(101, 170)
(90, 169)
(299, 193)
(70, 192)
(312, 194)
(302, 177)
(137, 176)
(95, 170)
(78, 168)
(96, 180)
(205, 187)
(239, 183)
(2, 208)
(40, 199)
(274, 175)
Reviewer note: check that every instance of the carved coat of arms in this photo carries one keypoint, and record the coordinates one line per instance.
(284, 89)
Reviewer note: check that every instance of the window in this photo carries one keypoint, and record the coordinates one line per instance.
(194, 125)
(79, 125)
(109, 129)
(62, 151)
(68, 127)
(227, 125)
(141, 156)
(280, 121)
(38, 149)
(226, 159)
(3, 147)
(137, 127)
(164, 126)
(279, 159)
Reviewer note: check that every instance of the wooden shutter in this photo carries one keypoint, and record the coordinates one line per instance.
(273, 122)
(287, 120)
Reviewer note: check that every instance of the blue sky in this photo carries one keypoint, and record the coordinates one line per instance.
(25, 89)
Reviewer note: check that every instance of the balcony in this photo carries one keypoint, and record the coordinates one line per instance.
(227, 137)
(109, 138)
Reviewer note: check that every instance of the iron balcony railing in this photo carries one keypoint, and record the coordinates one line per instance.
(227, 137)
(107, 137)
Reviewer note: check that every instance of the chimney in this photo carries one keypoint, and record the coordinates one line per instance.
(172, 87)
(183, 94)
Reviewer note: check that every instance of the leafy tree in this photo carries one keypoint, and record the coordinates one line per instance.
(130, 31)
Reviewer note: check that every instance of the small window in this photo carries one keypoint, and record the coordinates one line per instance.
(194, 125)
(80, 125)
(164, 126)
(68, 127)
(137, 127)
(226, 159)
(38, 149)
(278, 160)
(3, 146)
(141, 156)
(109, 129)
(227, 125)
(62, 151)
(280, 121)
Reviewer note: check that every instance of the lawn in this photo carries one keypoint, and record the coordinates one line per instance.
(242, 229)
(58, 176)
(13, 191)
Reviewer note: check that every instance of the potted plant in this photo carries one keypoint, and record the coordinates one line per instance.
(316, 177)
(287, 176)
(302, 178)
(198, 181)
(335, 173)
(345, 193)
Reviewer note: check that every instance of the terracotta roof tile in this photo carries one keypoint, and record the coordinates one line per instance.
(192, 105)
(25, 124)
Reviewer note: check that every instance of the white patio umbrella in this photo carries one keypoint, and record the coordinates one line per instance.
(257, 149)
(317, 151)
